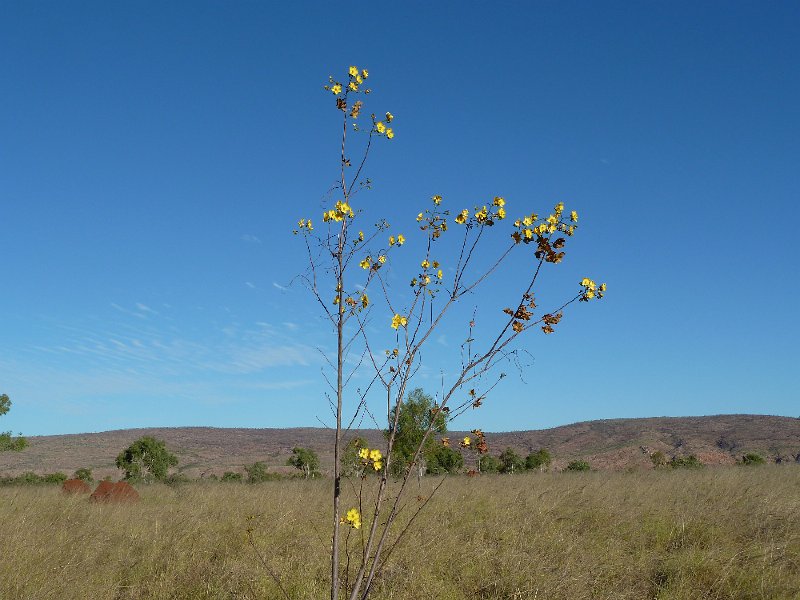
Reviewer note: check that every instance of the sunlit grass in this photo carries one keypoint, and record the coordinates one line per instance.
(714, 533)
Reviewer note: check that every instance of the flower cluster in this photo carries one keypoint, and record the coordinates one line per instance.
(339, 212)
(304, 225)
(399, 240)
(429, 269)
(380, 127)
(371, 457)
(433, 220)
(591, 290)
(486, 215)
(399, 321)
(353, 518)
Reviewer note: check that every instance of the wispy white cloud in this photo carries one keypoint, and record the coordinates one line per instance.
(250, 238)
(279, 286)
(250, 284)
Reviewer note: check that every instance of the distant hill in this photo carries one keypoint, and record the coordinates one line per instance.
(607, 444)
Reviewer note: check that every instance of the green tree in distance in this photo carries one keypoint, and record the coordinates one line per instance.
(511, 462)
(7, 442)
(539, 460)
(305, 460)
(146, 459)
(444, 459)
(489, 464)
(419, 413)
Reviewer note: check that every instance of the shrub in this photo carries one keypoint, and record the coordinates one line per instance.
(83, 474)
(489, 464)
(443, 460)
(752, 459)
(659, 459)
(578, 465)
(685, 462)
(511, 462)
(232, 476)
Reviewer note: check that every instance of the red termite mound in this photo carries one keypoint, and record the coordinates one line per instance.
(76, 486)
(114, 492)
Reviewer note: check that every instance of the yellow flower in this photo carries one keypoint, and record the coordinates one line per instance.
(359, 80)
(391, 240)
(602, 287)
(573, 216)
(377, 465)
(399, 321)
(364, 301)
(360, 236)
(559, 208)
(419, 217)
(363, 453)
(590, 294)
(381, 259)
(353, 518)
(364, 73)
(528, 234)
(439, 274)
(353, 71)
(366, 263)
(425, 264)
(353, 86)
(389, 133)
(466, 441)
(552, 219)
(426, 280)
(462, 217)
(389, 117)
(380, 127)
(375, 455)
(336, 89)
(501, 213)
(401, 239)
(498, 201)
(437, 200)
(527, 221)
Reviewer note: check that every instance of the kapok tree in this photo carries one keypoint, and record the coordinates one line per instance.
(347, 266)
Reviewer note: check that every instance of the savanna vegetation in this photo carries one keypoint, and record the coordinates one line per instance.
(675, 533)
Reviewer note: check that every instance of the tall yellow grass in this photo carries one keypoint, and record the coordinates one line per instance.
(716, 533)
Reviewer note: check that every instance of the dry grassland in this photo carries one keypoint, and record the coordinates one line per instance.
(714, 533)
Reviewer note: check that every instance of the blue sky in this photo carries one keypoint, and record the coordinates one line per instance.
(154, 159)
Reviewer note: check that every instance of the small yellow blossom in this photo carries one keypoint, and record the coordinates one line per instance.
(437, 200)
(439, 274)
(425, 264)
(366, 263)
(419, 217)
(391, 240)
(380, 127)
(552, 219)
(364, 73)
(498, 201)
(399, 321)
(360, 236)
(501, 213)
(364, 301)
(359, 81)
(382, 259)
(466, 441)
(363, 453)
(353, 71)
(573, 216)
(462, 217)
(353, 86)
(389, 133)
(426, 280)
(375, 455)
(602, 287)
(336, 89)
(353, 518)
(401, 239)
(377, 465)
(528, 233)
(527, 221)
(389, 117)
